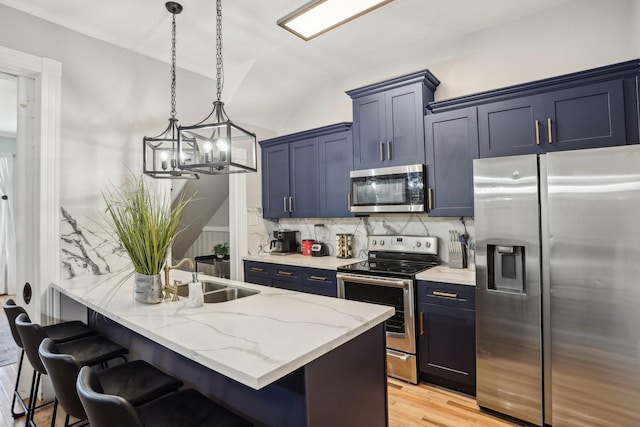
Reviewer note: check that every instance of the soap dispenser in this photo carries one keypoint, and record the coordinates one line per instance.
(196, 294)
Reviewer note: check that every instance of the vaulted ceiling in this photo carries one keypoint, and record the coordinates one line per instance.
(257, 51)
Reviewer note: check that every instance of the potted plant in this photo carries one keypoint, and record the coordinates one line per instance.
(147, 225)
(221, 250)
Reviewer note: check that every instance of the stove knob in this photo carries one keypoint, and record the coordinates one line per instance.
(373, 242)
(418, 244)
(427, 244)
(381, 242)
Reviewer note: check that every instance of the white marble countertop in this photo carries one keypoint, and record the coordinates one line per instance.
(254, 340)
(323, 262)
(442, 273)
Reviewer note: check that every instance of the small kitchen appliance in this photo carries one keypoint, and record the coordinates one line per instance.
(307, 245)
(285, 242)
(391, 189)
(388, 277)
(319, 249)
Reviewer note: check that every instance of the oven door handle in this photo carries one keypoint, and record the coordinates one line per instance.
(397, 355)
(374, 280)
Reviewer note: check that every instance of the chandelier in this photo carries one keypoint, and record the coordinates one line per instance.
(160, 153)
(219, 146)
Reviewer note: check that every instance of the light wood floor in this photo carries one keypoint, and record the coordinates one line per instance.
(409, 406)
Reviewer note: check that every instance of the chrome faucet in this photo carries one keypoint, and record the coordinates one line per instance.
(168, 288)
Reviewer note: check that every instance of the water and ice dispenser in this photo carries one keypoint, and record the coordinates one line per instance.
(506, 268)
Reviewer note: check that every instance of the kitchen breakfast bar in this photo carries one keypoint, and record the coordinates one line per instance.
(278, 358)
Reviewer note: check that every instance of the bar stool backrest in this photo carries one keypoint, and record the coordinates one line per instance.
(104, 410)
(63, 370)
(12, 310)
(32, 335)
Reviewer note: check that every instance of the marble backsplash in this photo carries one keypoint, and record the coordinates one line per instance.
(260, 231)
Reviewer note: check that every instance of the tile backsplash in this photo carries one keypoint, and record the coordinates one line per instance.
(261, 231)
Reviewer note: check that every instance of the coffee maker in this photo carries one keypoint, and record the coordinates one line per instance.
(285, 242)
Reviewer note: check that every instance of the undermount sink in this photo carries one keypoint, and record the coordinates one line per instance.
(218, 292)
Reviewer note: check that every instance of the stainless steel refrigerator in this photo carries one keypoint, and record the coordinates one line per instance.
(558, 286)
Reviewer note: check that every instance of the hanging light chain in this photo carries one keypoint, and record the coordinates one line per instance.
(173, 67)
(219, 67)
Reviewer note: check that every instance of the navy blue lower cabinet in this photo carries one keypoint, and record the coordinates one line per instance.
(451, 145)
(287, 277)
(319, 282)
(446, 336)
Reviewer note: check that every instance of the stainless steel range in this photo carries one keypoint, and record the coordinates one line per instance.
(388, 277)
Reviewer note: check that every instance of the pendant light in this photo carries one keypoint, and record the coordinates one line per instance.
(218, 147)
(160, 153)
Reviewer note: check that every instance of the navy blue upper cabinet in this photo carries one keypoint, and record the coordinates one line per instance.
(303, 175)
(335, 163)
(306, 175)
(451, 146)
(511, 127)
(275, 181)
(585, 117)
(587, 109)
(388, 121)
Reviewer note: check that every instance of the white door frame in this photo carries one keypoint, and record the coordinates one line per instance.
(38, 177)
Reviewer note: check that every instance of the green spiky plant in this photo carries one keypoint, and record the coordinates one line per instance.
(146, 225)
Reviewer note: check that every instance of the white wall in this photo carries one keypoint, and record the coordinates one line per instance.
(575, 36)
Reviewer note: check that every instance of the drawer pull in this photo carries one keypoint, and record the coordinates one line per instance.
(445, 294)
(323, 278)
(285, 273)
(421, 323)
(257, 269)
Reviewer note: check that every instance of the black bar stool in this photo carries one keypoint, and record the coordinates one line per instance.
(60, 332)
(136, 381)
(186, 408)
(90, 351)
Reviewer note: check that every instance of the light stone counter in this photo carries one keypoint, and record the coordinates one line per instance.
(323, 262)
(254, 340)
(442, 273)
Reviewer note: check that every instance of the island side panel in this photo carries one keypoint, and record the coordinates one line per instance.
(279, 404)
(348, 386)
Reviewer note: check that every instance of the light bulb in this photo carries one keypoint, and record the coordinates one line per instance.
(163, 157)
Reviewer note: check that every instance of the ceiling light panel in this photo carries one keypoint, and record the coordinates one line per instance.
(320, 16)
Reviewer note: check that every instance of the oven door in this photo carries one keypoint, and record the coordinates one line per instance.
(397, 293)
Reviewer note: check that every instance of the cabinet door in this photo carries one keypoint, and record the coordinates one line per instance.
(446, 346)
(369, 131)
(303, 177)
(287, 277)
(404, 142)
(275, 181)
(585, 117)
(451, 146)
(335, 153)
(511, 127)
(319, 282)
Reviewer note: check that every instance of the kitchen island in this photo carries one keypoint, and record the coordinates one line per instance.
(279, 358)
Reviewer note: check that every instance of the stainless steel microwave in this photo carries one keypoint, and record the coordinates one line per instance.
(392, 189)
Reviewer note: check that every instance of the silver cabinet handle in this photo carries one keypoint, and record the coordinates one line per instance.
(284, 204)
(381, 151)
(550, 132)
(388, 150)
(537, 132)
(348, 200)
(430, 198)
(397, 355)
(290, 204)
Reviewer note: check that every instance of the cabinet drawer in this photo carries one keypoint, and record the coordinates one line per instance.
(447, 294)
(287, 273)
(261, 269)
(319, 282)
(258, 280)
